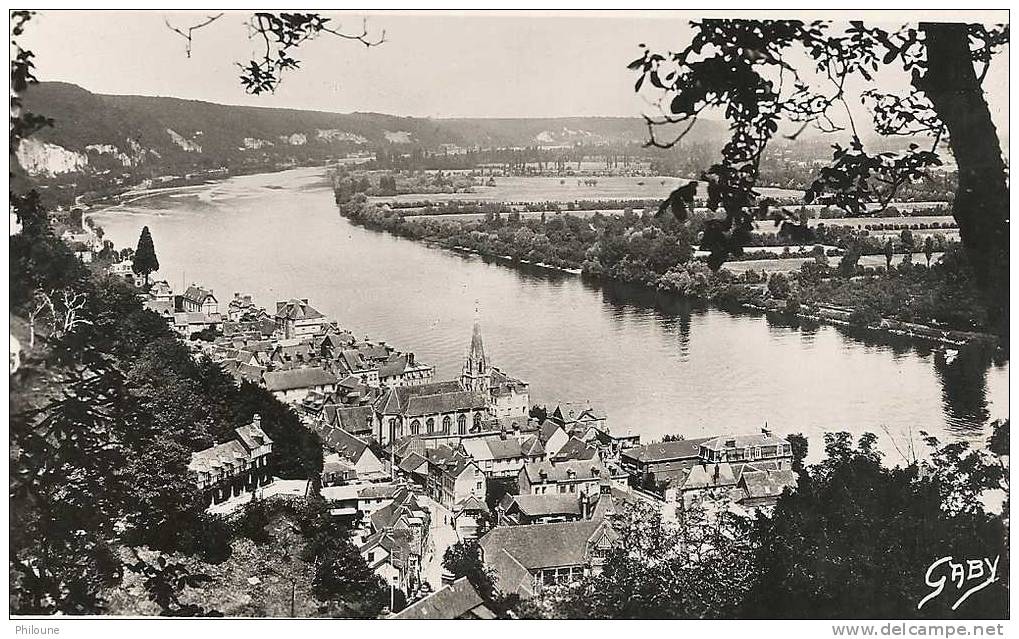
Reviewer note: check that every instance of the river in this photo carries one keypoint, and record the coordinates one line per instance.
(655, 363)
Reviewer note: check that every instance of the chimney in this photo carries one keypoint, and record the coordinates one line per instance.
(410, 358)
(256, 420)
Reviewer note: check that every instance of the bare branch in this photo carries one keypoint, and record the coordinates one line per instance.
(188, 35)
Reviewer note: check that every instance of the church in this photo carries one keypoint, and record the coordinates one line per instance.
(455, 408)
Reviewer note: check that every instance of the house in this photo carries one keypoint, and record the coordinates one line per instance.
(294, 385)
(562, 477)
(190, 322)
(343, 446)
(502, 455)
(469, 515)
(510, 396)
(375, 496)
(342, 499)
(761, 487)
(239, 306)
(553, 437)
(746, 448)
(293, 353)
(458, 600)
(351, 363)
(296, 318)
(578, 418)
(528, 558)
(614, 443)
(161, 291)
(453, 477)
(439, 408)
(356, 420)
(675, 455)
(548, 508)
(576, 449)
(198, 300)
(401, 369)
(388, 554)
(231, 468)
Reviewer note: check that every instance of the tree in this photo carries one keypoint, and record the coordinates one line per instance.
(908, 243)
(344, 579)
(778, 285)
(743, 69)
(847, 265)
(928, 249)
(145, 261)
(855, 539)
(700, 568)
(889, 252)
(463, 559)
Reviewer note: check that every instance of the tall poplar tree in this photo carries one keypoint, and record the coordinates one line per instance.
(145, 261)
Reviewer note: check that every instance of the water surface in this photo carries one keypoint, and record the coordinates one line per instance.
(658, 364)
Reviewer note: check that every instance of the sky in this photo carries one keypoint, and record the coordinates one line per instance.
(436, 64)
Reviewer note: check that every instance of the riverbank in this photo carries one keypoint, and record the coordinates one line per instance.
(817, 294)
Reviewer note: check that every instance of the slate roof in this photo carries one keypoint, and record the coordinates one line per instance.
(412, 463)
(547, 504)
(379, 491)
(298, 378)
(742, 441)
(560, 471)
(547, 430)
(354, 419)
(231, 453)
(197, 294)
(537, 546)
(342, 442)
(296, 310)
(710, 476)
(458, 599)
(429, 399)
(666, 451)
(760, 484)
(576, 449)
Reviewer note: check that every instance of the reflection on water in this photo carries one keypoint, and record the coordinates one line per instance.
(656, 362)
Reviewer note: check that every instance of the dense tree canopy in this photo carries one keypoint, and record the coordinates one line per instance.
(746, 70)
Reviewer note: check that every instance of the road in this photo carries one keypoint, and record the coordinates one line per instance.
(441, 535)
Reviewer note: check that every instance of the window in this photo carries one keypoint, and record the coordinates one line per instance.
(447, 424)
(393, 423)
(479, 485)
(562, 488)
(461, 424)
(430, 425)
(477, 421)
(415, 427)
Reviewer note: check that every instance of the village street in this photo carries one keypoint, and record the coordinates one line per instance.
(441, 535)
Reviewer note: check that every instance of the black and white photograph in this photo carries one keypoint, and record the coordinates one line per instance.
(502, 314)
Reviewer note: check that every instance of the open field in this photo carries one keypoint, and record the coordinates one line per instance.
(567, 189)
(788, 265)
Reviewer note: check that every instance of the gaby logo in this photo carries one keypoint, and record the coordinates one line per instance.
(968, 576)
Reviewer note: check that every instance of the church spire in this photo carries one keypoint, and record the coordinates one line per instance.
(476, 375)
(477, 352)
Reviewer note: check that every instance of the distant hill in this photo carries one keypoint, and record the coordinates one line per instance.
(95, 133)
